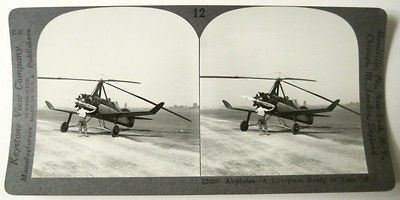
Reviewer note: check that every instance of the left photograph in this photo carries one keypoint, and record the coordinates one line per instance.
(117, 95)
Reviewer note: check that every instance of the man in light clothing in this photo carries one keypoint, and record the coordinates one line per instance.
(82, 113)
(262, 123)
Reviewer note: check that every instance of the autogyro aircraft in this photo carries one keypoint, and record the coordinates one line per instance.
(105, 109)
(280, 106)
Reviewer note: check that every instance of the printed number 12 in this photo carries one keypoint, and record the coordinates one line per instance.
(199, 12)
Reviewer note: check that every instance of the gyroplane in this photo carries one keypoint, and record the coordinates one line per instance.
(105, 109)
(279, 105)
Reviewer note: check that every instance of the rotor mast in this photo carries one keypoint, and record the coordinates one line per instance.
(99, 89)
(276, 87)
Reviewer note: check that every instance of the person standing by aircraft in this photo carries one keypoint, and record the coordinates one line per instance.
(82, 113)
(262, 122)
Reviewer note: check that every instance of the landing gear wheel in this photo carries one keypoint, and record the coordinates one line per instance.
(64, 127)
(244, 126)
(295, 129)
(115, 131)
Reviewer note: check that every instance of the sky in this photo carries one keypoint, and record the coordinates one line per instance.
(279, 42)
(160, 50)
(155, 47)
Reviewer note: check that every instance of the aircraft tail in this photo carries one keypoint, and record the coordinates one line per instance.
(157, 108)
(333, 105)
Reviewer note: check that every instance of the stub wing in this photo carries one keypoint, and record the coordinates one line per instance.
(51, 107)
(330, 108)
(229, 106)
(133, 114)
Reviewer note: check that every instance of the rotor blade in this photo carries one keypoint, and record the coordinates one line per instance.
(148, 101)
(298, 79)
(84, 79)
(122, 81)
(238, 77)
(68, 79)
(257, 78)
(293, 85)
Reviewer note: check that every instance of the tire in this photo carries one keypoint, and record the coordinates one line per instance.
(244, 126)
(64, 127)
(295, 129)
(115, 131)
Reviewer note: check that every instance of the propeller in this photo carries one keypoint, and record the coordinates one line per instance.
(293, 85)
(84, 79)
(259, 78)
(148, 101)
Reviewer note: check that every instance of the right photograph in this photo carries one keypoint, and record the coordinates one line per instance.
(279, 94)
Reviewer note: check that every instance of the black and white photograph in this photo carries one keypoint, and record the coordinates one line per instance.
(196, 99)
(117, 95)
(279, 94)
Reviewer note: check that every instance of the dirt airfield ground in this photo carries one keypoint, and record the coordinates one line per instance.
(332, 146)
(165, 146)
(168, 146)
